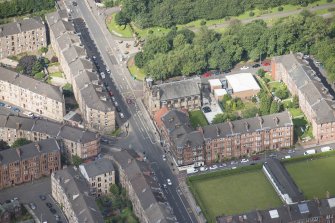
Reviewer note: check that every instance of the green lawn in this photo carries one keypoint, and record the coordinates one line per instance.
(314, 177)
(275, 85)
(116, 29)
(197, 118)
(56, 74)
(295, 112)
(135, 71)
(237, 193)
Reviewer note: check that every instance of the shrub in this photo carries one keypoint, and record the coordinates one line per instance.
(203, 22)
(280, 8)
(251, 13)
(54, 59)
(39, 75)
(329, 1)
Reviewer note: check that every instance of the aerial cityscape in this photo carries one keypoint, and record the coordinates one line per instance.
(169, 111)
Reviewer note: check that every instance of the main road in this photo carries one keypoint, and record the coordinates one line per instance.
(142, 135)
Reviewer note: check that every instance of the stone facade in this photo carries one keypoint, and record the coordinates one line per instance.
(31, 95)
(22, 36)
(95, 105)
(29, 162)
(314, 99)
(72, 140)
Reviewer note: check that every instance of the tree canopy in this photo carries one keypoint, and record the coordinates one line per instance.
(168, 13)
(182, 52)
(22, 7)
(20, 142)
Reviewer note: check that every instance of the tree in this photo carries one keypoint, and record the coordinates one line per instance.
(295, 101)
(20, 142)
(26, 64)
(139, 60)
(43, 49)
(282, 92)
(76, 160)
(261, 73)
(265, 104)
(222, 117)
(3, 145)
(121, 19)
(274, 107)
(67, 90)
(114, 190)
(250, 112)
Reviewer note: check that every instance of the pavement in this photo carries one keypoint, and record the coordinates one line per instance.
(142, 136)
(30, 192)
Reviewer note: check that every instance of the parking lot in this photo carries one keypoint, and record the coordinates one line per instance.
(30, 193)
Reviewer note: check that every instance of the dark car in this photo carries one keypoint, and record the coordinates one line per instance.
(256, 65)
(255, 158)
(53, 211)
(43, 197)
(206, 109)
(2, 104)
(49, 205)
(74, 3)
(118, 109)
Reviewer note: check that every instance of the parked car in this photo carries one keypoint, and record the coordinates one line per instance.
(207, 74)
(14, 109)
(291, 151)
(29, 114)
(233, 162)
(121, 115)
(8, 106)
(214, 167)
(244, 160)
(273, 155)
(74, 3)
(255, 158)
(52, 210)
(32, 206)
(113, 99)
(266, 63)
(206, 109)
(43, 197)
(203, 168)
(169, 182)
(115, 103)
(2, 104)
(118, 109)
(256, 65)
(49, 205)
(222, 165)
(244, 68)
(164, 157)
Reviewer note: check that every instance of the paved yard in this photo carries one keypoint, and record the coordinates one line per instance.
(30, 192)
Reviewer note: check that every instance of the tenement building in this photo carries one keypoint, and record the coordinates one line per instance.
(318, 211)
(247, 136)
(71, 192)
(22, 36)
(29, 162)
(95, 105)
(183, 94)
(143, 191)
(186, 143)
(99, 174)
(214, 143)
(314, 98)
(72, 140)
(32, 95)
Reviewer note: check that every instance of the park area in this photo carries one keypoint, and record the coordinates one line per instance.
(234, 193)
(314, 177)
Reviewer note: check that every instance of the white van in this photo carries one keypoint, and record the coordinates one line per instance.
(326, 149)
(309, 152)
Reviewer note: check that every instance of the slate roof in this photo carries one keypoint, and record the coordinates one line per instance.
(74, 52)
(98, 167)
(283, 179)
(28, 151)
(53, 129)
(77, 192)
(180, 129)
(66, 40)
(31, 84)
(248, 125)
(302, 77)
(92, 100)
(21, 26)
(178, 89)
(286, 213)
(144, 186)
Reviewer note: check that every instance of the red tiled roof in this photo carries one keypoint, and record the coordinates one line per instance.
(158, 115)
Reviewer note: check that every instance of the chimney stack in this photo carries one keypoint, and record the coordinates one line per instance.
(19, 26)
(260, 121)
(218, 131)
(18, 151)
(38, 147)
(246, 124)
(18, 125)
(276, 120)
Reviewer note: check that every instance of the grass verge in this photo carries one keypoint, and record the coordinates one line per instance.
(122, 31)
(56, 74)
(135, 71)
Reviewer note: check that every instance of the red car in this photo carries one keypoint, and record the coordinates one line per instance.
(255, 158)
(110, 93)
(207, 74)
(266, 63)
